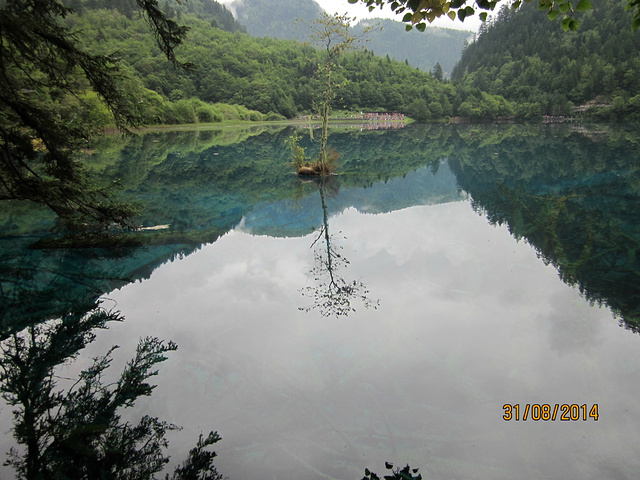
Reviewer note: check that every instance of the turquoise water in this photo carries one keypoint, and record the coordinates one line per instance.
(472, 267)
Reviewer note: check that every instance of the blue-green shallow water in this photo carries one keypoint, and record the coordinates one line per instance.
(489, 250)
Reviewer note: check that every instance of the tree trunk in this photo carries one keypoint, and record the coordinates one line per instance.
(325, 121)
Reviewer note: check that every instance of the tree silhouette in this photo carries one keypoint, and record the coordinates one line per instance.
(42, 63)
(333, 295)
(77, 432)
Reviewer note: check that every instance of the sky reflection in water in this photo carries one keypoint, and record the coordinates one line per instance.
(469, 320)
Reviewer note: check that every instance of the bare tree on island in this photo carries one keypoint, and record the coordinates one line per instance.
(331, 34)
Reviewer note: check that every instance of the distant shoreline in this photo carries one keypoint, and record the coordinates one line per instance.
(246, 123)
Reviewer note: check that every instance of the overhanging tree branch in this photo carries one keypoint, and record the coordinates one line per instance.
(417, 12)
(41, 62)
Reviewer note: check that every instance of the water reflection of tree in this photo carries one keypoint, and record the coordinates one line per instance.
(586, 235)
(332, 294)
(77, 431)
(581, 216)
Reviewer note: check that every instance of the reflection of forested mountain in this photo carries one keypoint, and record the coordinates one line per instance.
(36, 284)
(190, 187)
(573, 197)
(203, 184)
(293, 217)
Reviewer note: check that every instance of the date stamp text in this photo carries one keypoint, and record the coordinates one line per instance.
(545, 412)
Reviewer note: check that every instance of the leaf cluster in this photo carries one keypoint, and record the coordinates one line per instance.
(397, 473)
(417, 12)
(297, 151)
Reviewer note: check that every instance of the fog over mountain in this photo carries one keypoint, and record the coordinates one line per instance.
(285, 19)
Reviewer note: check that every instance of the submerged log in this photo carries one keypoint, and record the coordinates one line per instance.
(309, 170)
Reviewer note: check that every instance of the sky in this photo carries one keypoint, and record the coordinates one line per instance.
(360, 11)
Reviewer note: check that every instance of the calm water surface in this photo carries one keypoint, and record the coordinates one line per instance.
(481, 266)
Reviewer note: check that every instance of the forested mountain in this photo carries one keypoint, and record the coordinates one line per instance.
(276, 18)
(286, 19)
(213, 12)
(421, 49)
(265, 75)
(529, 59)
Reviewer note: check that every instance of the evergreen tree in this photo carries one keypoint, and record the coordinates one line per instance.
(437, 72)
(44, 69)
(525, 58)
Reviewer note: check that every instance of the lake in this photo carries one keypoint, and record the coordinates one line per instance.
(415, 308)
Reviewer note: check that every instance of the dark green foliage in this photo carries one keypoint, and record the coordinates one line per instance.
(405, 473)
(47, 116)
(437, 71)
(526, 58)
(417, 13)
(199, 464)
(77, 432)
(264, 75)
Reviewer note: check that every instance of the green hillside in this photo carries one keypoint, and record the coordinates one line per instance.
(213, 12)
(420, 49)
(270, 76)
(531, 60)
(276, 18)
(286, 19)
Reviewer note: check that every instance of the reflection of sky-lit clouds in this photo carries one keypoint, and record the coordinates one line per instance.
(573, 326)
(460, 331)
